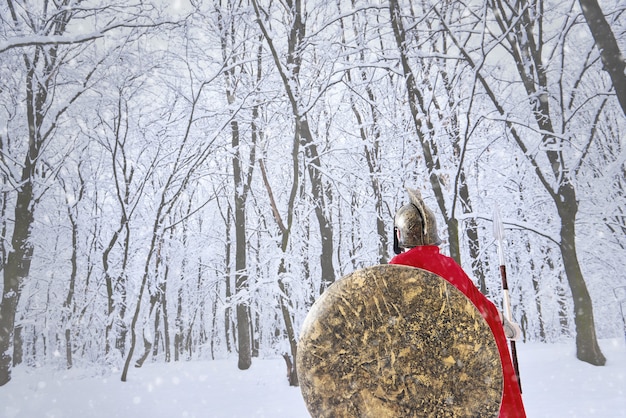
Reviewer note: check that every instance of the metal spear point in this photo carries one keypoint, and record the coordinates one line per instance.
(498, 233)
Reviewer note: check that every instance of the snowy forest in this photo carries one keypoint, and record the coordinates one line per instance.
(181, 180)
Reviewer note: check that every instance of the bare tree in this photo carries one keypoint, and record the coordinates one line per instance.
(526, 47)
(290, 74)
(521, 27)
(189, 158)
(242, 175)
(128, 189)
(286, 232)
(42, 66)
(69, 305)
(424, 128)
(303, 138)
(368, 118)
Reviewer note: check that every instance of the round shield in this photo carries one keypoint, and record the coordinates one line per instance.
(397, 341)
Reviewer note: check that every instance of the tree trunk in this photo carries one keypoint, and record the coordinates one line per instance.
(228, 293)
(241, 274)
(17, 267)
(372, 157)
(587, 348)
(68, 306)
(166, 320)
(142, 288)
(241, 183)
(319, 200)
(179, 328)
(610, 53)
(18, 345)
(292, 375)
(18, 261)
(542, 332)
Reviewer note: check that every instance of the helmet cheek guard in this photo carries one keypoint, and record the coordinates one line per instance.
(396, 243)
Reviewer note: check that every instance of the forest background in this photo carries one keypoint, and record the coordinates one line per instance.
(181, 180)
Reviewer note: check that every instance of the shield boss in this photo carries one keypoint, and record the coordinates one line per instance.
(397, 341)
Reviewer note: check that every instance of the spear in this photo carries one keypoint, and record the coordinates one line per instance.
(498, 232)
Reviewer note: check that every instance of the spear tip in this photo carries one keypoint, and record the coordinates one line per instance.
(498, 227)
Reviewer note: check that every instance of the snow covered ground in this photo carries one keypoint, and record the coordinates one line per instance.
(555, 385)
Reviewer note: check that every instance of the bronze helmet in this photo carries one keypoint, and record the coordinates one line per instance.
(415, 224)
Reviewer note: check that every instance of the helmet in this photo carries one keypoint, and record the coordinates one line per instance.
(415, 224)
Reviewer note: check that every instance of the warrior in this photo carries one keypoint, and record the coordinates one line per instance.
(416, 244)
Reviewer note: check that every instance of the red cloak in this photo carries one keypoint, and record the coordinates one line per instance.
(428, 258)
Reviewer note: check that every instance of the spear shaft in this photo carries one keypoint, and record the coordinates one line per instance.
(498, 232)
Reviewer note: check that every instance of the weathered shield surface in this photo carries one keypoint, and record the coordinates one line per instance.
(396, 341)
